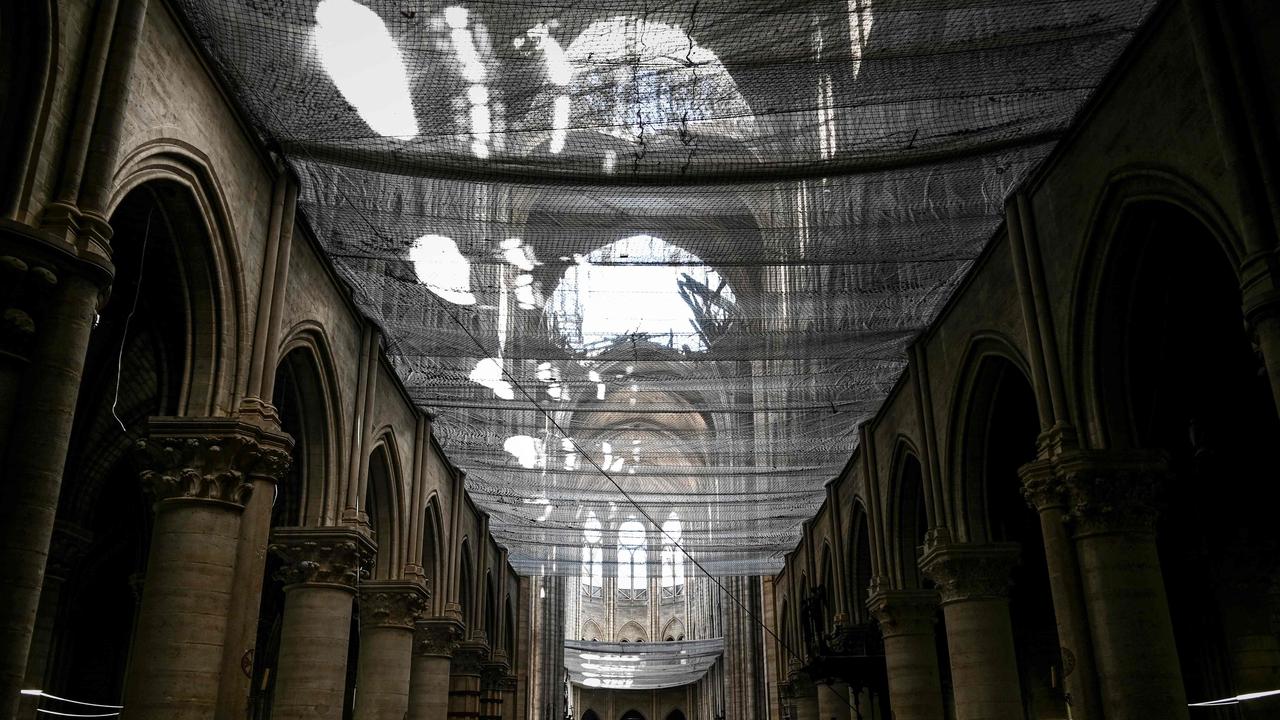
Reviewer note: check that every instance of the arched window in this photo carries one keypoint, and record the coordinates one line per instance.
(592, 557)
(632, 560)
(672, 557)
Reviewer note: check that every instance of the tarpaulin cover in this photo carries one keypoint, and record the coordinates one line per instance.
(640, 666)
(669, 252)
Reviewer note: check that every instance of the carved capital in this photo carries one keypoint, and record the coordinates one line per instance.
(970, 572)
(392, 604)
(469, 658)
(904, 612)
(437, 636)
(1113, 492)
(209, 459)
(492, 674)
(32, 266)
(508, 684)
(1042, 486)
(322, 556)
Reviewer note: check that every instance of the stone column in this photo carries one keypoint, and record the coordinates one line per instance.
(322, 568)
(1112, 508)
(65, 551)
(833, 701)
(51, 293)
(1046, 493)
(464, 680)
(199, 470)
(906, 620)
(508, 686)
(388, 611)
(491, 677)
(803, 694)
(973, 581)
(434, 642)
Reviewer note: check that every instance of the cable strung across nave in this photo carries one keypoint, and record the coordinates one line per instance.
(618, 360)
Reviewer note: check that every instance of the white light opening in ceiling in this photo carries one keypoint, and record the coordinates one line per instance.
(640, 287)
(365, 64)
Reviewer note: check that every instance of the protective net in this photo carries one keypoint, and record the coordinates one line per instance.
(668, 253)
(640, 666)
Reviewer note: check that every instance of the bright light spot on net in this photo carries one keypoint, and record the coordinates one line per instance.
(634, 287)
(365, 65)
(559, 69)
(442, 268)
(610, 160)
(488, 372)
(481, 120)
(559, 123)
(480, 150)
(464, 45)
(455, 17)
(527, 450)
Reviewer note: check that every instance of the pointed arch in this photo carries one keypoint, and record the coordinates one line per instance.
(209, 260)
(858, 566)
(673, 631)
(591, 631)
(631, 632)
(908, 517)
(432, 546)
(383, 503)
(993, 365)
(466, 585)
(306, 360)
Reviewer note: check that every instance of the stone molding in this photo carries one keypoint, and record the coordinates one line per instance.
(469, 658)
(1042, 486)
(492, 674)
(904, 612)
(966, 572)
(508, 683)
(437, 636)
(392, 604)
(327, 556)
(1113, 491)
(210, 459)
(32, 265)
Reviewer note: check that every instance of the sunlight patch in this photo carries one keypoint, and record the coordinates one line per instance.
(365, 65)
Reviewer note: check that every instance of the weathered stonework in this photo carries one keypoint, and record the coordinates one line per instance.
(322, 556)
(1113, 492)
(904, 612)
(212, 459)
(970, 572)
(437, 636)
(392, 604)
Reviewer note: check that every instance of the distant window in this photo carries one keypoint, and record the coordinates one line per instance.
(633, 559)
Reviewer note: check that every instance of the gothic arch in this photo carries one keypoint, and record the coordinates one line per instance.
(383, 503)
(908, 517)
(209, 265)
(591, 631)
(308, 340)
(988, 357)
(590, 715)
(433, 563)
(858, 570)
(827, 582)
(631, 632)
(303, 402)
(674, 630)
(1105, 258)
(466, 585)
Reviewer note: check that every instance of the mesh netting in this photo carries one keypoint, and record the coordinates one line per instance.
(671, 253)
(640, 666)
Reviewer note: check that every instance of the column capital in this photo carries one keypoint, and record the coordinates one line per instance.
(1113, 491)
(437, 636)
(1042, 486)
(209, 459)
(508, 683)
(392, 603)
(965, 571)
(904, 612)
(469, 657)
(32, 264)
(332, 556)
(492, 673)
